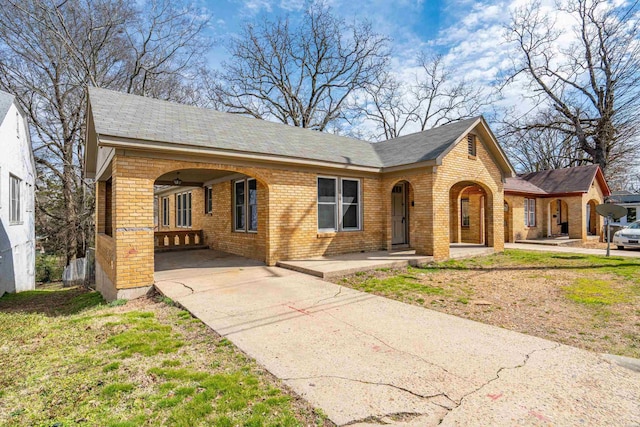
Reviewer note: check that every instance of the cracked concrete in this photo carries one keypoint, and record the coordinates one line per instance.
(370, 361)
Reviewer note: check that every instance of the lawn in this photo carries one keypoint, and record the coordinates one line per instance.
(586, 301)
(69, 359)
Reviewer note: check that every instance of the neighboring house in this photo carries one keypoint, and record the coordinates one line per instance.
(558, 202)
(17, 180)
(628, 200)
(273, 192)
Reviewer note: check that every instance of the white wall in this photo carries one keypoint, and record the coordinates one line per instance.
(17, 241)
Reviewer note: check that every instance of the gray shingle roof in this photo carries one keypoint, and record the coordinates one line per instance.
(137, 117)
(6, 100)
(147, 119)
(421, 146)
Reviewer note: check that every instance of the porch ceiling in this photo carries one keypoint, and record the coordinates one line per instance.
(192, 176)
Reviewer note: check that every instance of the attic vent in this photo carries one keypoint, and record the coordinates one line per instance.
(471, 144)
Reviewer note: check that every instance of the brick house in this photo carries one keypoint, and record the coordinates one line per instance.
(272, 192)
(559, 202)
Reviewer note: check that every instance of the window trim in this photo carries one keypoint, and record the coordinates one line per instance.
(528, 211)
(184, 205)
(208, 199)
(165, 212)
(18, 209)
(338, 209)
(463, 202)
(246, 206)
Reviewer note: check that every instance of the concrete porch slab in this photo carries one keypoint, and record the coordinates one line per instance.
(328, 267)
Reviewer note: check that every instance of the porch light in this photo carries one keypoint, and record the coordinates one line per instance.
(177, 181)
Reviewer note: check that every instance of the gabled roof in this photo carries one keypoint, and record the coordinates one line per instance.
(518, 185)
(576, 179)
(148, 121)
(6, 100)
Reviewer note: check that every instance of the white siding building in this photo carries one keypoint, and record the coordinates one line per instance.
(17, 203)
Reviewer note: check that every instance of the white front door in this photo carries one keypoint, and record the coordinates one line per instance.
(398, 216)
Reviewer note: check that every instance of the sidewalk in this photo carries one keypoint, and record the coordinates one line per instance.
(630, 253)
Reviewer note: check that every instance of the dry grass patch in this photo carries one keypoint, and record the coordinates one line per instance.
(67, 359)
(585, 301)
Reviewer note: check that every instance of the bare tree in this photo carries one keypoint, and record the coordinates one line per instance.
(51, 51)
(301, 75)
(591, 85)
(433, 98)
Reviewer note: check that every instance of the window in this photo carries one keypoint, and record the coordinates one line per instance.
(350, 204)
(471, 144)
(338, 204)
(15, 208)
(631, 214)
(165, 211)
(530, 212)
(253, 204)
(464, 213)
(183, 209)
(208, 199)
(327, 203)
(245, 200)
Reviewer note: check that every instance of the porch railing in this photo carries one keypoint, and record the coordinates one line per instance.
(181, 239)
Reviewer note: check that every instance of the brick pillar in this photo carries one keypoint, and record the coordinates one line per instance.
(495, 221)
(577, 218)
(133, 223)
(454, 212)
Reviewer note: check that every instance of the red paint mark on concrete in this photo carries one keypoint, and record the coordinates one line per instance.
(132, 251)
(538, 415)
(494, 396)
(300, 310)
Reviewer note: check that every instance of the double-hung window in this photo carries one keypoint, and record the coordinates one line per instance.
(530, 212)
(464, 212)
(165, 211)
(15, 206)
(245, 201)
(208, 199)
(339, 206)
(183, 209)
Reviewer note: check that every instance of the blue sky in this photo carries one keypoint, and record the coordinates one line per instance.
(412, 24)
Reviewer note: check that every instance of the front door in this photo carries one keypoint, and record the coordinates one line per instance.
(398, 216)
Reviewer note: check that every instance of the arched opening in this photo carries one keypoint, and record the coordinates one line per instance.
(471, 215)
(508, 223)
(402, 202)
(223, 210)
(592, 218)
(559, 218)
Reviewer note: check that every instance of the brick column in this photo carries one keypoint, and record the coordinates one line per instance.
(577, 218)
(133, 223)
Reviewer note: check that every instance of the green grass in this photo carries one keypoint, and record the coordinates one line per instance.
(398, 285)
(78, 361)
(596, 292)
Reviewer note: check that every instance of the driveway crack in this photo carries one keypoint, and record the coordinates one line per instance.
(527, 356)
(331, 297)
(386, 344)
(180, 283)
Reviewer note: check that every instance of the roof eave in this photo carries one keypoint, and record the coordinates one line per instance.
(167, 147)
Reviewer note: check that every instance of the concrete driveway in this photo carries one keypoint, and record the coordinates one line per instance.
(366, 360)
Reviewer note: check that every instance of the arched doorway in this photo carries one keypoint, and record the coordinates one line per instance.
(470, 216)
(558, 218)
(592, 218)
